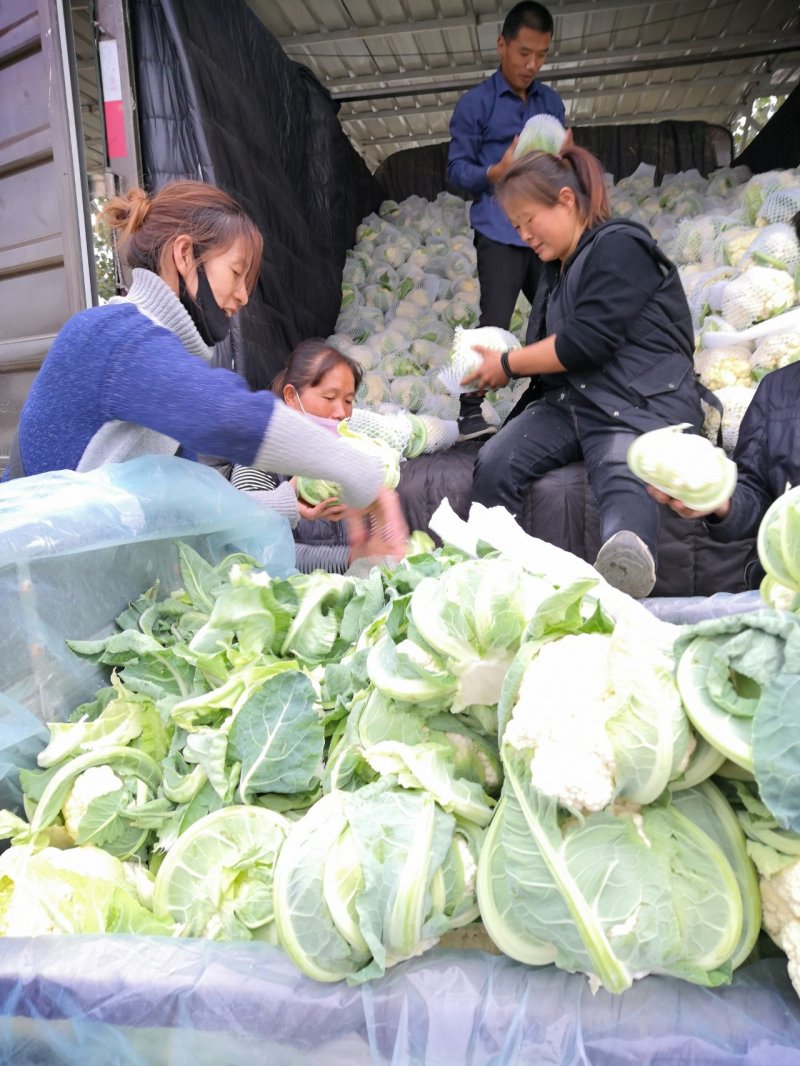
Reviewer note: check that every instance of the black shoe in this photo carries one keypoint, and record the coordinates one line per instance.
(473, 426)
(626, 562)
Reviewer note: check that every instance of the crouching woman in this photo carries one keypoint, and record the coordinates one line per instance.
(609, 345)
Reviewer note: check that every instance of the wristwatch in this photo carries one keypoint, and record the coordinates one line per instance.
(509, 373)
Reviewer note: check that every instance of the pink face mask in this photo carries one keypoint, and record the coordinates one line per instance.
(331, 424)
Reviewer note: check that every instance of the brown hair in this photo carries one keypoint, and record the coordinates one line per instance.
(540, 176)
(148, 224)
(310, 362)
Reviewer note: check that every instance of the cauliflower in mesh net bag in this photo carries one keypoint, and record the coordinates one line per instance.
(735, 400)
(718, 367)
(774, 246)
(735, 241)
(373, 390)
(410, 391)
(314, 491)
(379, 297)
(541, 133)
(781, 205)
(393, 429)
(441, 404)
(464, 360)
(694, 240)
(760, 186)
(460, 313)
(777, 350)
(756, 294)
(440, 433)
(698, 288)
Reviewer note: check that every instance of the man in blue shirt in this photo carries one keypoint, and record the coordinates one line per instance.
(484, 128)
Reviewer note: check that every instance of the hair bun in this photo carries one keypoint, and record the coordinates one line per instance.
(139, 203)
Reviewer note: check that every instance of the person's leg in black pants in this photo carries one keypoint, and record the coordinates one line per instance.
(629, 516)
(504, 270)
(541, 438)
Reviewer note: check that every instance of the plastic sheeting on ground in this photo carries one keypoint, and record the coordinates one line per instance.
(686, 610)
(154, 1001)
(74, 550)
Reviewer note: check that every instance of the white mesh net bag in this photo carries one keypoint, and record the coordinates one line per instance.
(464, 360)
(410, 392)
(392, 429)
(694, 240)
(440, 433)
(781, 205)
(735, 400)
(774, 246)
(373, 390)
(719, 367)
(697, 291)
(777, 350)
(757, 293)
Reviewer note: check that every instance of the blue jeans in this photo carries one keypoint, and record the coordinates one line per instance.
(559, 429)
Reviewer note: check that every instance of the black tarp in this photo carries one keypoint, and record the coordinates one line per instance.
(219, 100)
(777, 146)
(669, 146)
(560, 509)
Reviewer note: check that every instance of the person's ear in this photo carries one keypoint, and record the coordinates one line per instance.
(183, 254)
(291, 397)
(566, 197)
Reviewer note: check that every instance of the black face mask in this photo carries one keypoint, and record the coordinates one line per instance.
(212, 323)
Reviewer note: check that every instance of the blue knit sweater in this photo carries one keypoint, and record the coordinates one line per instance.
(113, 363)
(118, 383)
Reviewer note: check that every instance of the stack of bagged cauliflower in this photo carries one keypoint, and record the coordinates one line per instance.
(410, 281)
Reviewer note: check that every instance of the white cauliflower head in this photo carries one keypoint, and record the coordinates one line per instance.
(780, 900)
(94, 782)
(561, 714)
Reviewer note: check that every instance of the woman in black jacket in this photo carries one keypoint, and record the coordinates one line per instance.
(610, 345)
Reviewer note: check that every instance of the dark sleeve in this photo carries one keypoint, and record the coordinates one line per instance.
(617, 280)
(752, 495)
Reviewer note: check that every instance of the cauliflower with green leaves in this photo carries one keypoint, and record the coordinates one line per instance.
(92, 783)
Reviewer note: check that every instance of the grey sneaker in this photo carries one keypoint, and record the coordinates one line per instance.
(473, 426)
(626, 562)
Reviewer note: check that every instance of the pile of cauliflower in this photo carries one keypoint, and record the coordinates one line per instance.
(411, 280)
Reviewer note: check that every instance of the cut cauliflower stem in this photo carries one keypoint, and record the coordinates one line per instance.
(94, 782)
(685, 466)
(780, 900)
(569, 722)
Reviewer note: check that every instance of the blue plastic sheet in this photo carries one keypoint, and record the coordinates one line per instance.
(74, 550)
(686, 610)
(135, 1001)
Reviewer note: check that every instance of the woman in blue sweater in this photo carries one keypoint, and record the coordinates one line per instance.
(133, 377)
(610, 345)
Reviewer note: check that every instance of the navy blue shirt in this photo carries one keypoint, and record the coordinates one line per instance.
(485, 121)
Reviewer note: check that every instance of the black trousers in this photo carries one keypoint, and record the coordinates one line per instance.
(504, 270)
(559, 429)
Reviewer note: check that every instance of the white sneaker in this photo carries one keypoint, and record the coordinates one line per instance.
(626, 562)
